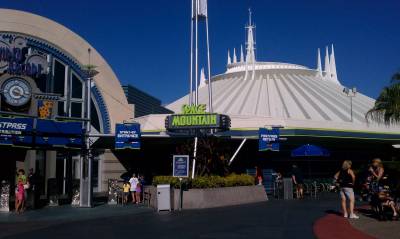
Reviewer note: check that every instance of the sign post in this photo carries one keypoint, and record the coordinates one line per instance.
(268, 139)
(180, 170)
(127, 136)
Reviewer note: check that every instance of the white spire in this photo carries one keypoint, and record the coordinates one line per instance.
(241, 54)
(202, 78)
(234, 56)
(250, 55)
(229, 58)
(334, 77)
(327, 65)
(319, 64)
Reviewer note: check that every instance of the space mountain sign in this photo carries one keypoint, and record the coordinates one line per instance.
(196, 117)
(17, 58)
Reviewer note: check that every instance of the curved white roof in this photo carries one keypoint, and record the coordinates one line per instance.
(287, 97)
(296, 94)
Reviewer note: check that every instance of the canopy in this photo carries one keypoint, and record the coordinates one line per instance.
(308, 150)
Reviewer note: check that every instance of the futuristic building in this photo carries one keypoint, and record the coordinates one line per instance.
(257, 94)
(310, 105)
(48, 61)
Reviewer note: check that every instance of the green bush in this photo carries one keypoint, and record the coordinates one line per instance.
(208, 181)
(174, 182)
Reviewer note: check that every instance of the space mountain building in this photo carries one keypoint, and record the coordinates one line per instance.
(306, 102)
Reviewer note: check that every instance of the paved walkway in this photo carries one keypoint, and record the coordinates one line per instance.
(380, 229)
(273, 219)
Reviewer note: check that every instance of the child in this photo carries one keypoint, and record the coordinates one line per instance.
(138, 192)
(126, 187)
(20, 197)
(388, 201)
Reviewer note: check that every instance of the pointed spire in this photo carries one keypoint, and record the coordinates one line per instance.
(229, 58)
(327, 65)
(319, 64)
(332, 60)
(234, 56)
(202, 78)
(241, 54)
(250, 54)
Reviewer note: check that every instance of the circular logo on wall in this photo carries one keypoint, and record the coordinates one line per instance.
(16, 91)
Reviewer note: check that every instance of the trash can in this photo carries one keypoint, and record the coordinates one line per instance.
(287, 189)
(163, 197)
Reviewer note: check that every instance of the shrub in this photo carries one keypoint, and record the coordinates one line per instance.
(174, 182)
(208, 181)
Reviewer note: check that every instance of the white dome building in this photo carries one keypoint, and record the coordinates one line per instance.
(256, 94)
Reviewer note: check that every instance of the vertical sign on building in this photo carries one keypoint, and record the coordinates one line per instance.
(268, 139)
(181, 166)
(127, 136)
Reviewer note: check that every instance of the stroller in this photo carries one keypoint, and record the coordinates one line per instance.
(382, 197)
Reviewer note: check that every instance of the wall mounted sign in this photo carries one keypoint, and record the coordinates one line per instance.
(268, 139)
(181, 166)
(16, 131)
(47, 133)
(45, 109)
(196, 117)
(16, 58)
(127, 136)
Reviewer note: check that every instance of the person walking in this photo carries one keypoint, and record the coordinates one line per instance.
(20, 197)
(346, 179)
(126, 188)
(298, 181)
(138, 192)
(134, 182)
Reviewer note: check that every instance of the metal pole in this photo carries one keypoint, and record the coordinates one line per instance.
(191, 58)
(237, 151)
(194, 157)
(210, 106)
(197, 56)
(351, 108)
(180, 195)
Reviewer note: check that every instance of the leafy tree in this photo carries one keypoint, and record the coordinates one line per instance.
(387, 105)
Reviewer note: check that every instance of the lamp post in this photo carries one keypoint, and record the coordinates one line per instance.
(350, 93)
(86, 189)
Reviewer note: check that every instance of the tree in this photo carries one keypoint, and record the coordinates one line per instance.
(387, 105)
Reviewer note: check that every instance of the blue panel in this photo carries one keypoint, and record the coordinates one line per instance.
(16, 131)
(181, 166)
(59, 142)
(268, 139)
(59, 127)
(127, 136)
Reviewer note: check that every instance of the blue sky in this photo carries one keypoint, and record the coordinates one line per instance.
(147, 42)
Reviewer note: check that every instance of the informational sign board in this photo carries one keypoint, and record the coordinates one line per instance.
(16, 131)
(181, 166)
(268, 139)
(196, 117)
(127, 136)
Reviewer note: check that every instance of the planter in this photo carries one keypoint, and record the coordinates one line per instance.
(213, 197)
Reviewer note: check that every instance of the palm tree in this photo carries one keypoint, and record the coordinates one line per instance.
(387, 105)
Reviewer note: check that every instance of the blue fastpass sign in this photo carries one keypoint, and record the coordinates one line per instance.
(16, 131)
(127, 136)
(181, 166)
(268, 139)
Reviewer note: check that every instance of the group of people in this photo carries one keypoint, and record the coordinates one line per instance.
(378, 188)
(134, 188)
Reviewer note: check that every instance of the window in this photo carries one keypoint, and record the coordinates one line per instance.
(94, 117)
(60, 110)
(76, 87)
(59, 78)
(76, 109)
